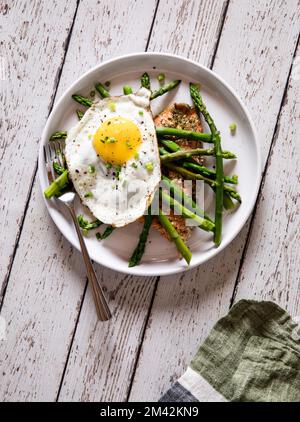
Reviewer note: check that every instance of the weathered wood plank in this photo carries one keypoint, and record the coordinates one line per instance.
(98, 372)
(188, 28)
(47, 281)
(254, 55)
(33, 43)
(271, 266)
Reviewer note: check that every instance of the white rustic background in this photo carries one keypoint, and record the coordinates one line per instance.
(53, 347)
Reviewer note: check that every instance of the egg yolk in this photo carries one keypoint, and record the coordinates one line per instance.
(117, 140)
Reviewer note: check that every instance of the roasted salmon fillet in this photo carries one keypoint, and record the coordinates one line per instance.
(180, 116)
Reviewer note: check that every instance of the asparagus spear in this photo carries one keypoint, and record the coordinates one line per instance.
(179, 194)
(227, 201)
(107, 232)
(162, 90)
(175, 237)
(102, 90)
(199, 104)
(58, 135)
(145, 81)
(185, 154)
(185, 134)
(80, 114)
(186, 213)
(127, 90)
(82, 100)
(172, 146)
(140, 248)
(57, 185)
(166, 157)
(209, 173)
(213, 183)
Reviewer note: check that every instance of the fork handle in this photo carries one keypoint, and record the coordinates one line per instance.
(102, 308)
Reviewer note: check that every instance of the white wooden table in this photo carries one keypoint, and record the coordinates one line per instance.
(53, 348)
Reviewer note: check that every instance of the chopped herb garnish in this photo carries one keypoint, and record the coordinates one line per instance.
(128, 144)
(136, 156)
(90, 136)
(112, 106)
(232, 128)
(161, 77)
(141, 113)
(134, 165)
(149, 166)
(91, 168)
(108, 139)
(111, 140)
(118, 170)
(108, 165)
(89, 195)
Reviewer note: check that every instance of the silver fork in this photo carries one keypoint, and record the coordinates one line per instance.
(54, 153)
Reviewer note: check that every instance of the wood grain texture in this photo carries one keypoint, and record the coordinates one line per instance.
(254, 55)
(33, 42)
(91, 372)
(182, 28)
(271, 266)
(103, 355)
(47, 281)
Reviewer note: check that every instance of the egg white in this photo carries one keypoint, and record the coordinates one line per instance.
(116, 201)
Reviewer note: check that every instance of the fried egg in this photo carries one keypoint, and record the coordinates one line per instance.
(113, 159)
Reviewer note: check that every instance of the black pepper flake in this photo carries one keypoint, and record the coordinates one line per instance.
(77, 171)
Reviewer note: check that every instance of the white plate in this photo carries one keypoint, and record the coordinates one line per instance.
(161, 257)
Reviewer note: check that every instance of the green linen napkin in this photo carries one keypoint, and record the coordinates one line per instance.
(252, 354)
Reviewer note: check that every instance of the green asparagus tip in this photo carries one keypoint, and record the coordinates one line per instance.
(102, 90)
(82, 100)
(145, 81)
(140, 248)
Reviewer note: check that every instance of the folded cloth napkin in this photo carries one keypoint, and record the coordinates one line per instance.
(253, 354)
